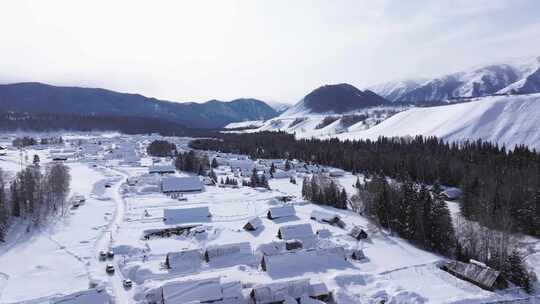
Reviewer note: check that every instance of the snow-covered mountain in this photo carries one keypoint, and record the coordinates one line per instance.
(280, 107)
(514, 76)
(508, 120)
(335, 99)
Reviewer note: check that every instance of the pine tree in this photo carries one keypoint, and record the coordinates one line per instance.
(16, 199)
(36, 160)
(254, 180)
(214, 163)
(516, 272)
(4, 212)
(287, 165)
(343, 199)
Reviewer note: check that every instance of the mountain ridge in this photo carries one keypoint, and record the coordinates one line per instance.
(513, 76)
(35, 97)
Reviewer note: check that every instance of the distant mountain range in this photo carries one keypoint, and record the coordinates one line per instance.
(43, 98)
(516, 76)
(335, 99)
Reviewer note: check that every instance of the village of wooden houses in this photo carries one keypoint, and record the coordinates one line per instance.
(139, 230)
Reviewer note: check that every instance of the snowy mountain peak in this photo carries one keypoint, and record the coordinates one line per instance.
(512, 76)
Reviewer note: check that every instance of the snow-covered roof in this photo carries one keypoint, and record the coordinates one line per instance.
(298, 231)
(255, 223)
(327, 257)
(282, 211)
(186, 215)
(161, 169)
(483, 276)
(90, 296)
(272, 248)
(181, 184)
(276, 292)
(184, 261)
(192, 291)
(234, 251)
(282, 291)
(322, 216)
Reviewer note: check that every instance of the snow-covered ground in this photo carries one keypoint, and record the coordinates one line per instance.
(63, 258)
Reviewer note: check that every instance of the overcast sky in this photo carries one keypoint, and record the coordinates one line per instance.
(273, 50)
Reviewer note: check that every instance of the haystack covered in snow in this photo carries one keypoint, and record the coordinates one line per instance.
(184, 261)
(186, 215)
(282, 211)
(253, 224)
(90, 296)
(476, 273)
(174, 184)
(161, 169)
(280, 291)
(201, 291)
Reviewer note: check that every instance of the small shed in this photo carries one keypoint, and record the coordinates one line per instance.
(282, 211)
(253, 224)
(162, 169)
(186, 215)
(358, 233)
(357, 254)
(174, 184)
(477, 274)
(184, 261)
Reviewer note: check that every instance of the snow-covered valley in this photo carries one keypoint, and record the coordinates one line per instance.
(119, 214)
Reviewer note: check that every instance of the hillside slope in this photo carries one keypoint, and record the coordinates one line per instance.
(42, 98)
(335, 99)
(508, 120)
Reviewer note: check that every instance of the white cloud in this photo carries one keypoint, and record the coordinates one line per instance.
(278, 50)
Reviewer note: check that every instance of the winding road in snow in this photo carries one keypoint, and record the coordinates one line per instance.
(104, 243)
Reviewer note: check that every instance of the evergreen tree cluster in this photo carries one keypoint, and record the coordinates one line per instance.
(256, 180)
(496, 182)
(411, 211)
(36, 194)
(229, 181)
(322, 190)
(161, 148)
(192, 162)
(21, 142)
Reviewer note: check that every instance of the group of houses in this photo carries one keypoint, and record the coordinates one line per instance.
(217, 291)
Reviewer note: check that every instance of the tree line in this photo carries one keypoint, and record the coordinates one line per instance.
(10, 121)
(35, 193)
